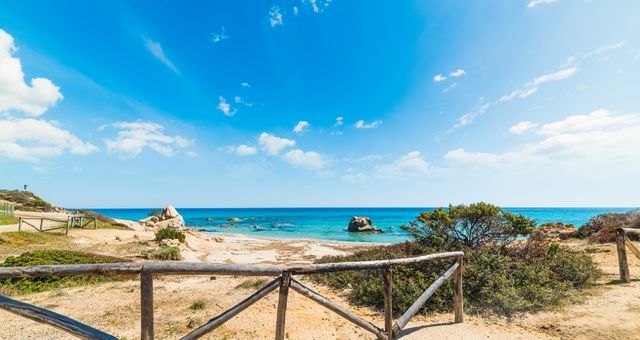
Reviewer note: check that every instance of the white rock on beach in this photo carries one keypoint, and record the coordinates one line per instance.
(170, 218)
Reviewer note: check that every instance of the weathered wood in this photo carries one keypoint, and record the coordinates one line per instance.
(233, 311)
(631, 230)
(146, 306)
(285, 282)
(19, 223)
(415, 307)
(41, 222)
(622, 256)
(71, 269)
(298, 287)
(51, 318)
(632, 247)
(459, 302)
(388, 303)
(194, 268)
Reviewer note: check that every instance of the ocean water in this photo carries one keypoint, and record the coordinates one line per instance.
(331, 223)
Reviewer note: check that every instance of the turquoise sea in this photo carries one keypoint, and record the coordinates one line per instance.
(331, 223)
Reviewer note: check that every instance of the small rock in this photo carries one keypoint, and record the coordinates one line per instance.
(362, 224)
(234, 219)
(191, 323)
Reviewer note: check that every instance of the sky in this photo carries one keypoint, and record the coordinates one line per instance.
(321, 103)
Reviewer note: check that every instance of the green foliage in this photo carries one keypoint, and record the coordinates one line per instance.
(24, 239)
(103, 222)
(25, 200)
(601, 228)
(472, 226)
(198, 305)
(252, 283)
(44, 257)
(155, 212)
(4, 220)
(162, 254)
(170, 234)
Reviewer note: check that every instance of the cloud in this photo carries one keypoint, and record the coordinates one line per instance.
(578, 59)
(242, 150)
(133, 137)
(273, 145)
(33, 139)
(32, 99)
(245, 85)
(275, 17)
(301, 127)
(156, 50)
(534, 3)
(362, 125)
(309, 160)
(407, 166)
(439, 77)
(450, 87)
(339, 121)
(221, 35)
(595, 139)
(522, 127)
(225, 107)
(555, 76)
(458, 73)
(468, 117)
(317, 6)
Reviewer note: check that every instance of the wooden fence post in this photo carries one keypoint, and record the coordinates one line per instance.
(388, 302)
(146, 306)
(458, 292)
(282, 305)
(66, 229)
(41, 222)
(622, 256)
(19, 223)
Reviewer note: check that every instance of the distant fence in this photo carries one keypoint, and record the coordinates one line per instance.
(37, 223)
(284, 280)
(6, 210)
(623, 242)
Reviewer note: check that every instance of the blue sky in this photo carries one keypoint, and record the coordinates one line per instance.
(321, 103)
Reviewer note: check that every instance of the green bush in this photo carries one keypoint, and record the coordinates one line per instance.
(25, 200)
(198, 305)
(4, 220)
(499, 276)
(102, 221)
(253, 283)
(170, 234)
(45, 257)
(602, 228)
(162, 254)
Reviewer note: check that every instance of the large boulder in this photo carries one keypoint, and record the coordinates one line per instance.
(555, 230)
(362, 224)
(170, 218)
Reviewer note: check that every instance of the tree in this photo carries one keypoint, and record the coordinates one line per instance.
(472, 226)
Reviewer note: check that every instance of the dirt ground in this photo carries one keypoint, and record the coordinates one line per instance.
(611, 311)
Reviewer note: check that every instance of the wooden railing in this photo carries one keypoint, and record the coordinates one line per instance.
(284, 281)
(70, 222)
(623, 242)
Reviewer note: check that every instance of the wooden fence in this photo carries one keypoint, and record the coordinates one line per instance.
(70, 222)
(6, 210)
(284, 281)
(623, 242)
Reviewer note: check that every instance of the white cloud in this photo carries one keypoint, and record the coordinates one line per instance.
(225, 107)
(32, 139)
(242, 150)
(339, 121)
(133, 137)
(577, 59)
(362, 125)
(439, 77)
(273, 145)
(534, 3)
(594, 139)
(301, 127)
(458, 73)
(522, 127)
(245, 85)
(275, 17)
(468, 117)
(450, 87)
(369, 158)
(407, 166)
(17, 96)
(156, 50)
(309, 160)
(221, 35)
(295, 10)
(555, 76)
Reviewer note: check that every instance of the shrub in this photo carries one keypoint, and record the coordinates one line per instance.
(44, 257)
(252, 283)
(162, 254)
(103, 222)
(602, 228)
(471, 226)
(198, 305)
(25, 200)
(4, 220)
(155, 212)
(170, 234)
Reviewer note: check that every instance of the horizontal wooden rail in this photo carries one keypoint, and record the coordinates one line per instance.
(146, 270)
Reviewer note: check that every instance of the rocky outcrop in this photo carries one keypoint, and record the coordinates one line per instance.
(362, 224)
(234, 219)
(557, 230)
(170, 218)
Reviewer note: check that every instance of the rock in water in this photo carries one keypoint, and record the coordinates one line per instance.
(234, 219)
(170, 218)
(170, 212)
(362, 224)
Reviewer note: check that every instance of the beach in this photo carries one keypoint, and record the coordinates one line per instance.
(114, 306)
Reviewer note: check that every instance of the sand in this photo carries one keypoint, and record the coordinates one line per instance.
(612, 311)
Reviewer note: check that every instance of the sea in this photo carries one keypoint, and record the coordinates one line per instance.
(331, 223)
